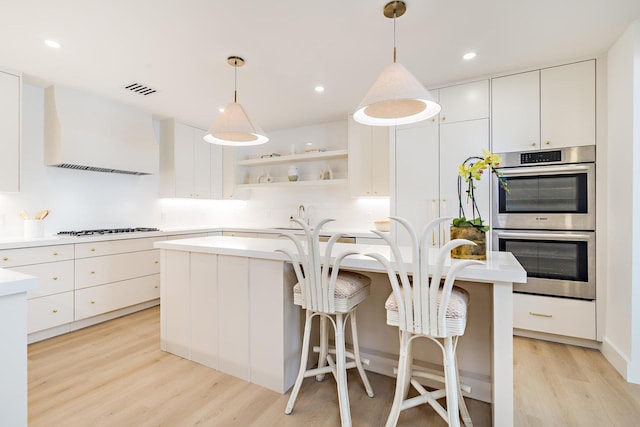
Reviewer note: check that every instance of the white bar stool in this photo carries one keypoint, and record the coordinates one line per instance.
(334, 299)
(427, 309)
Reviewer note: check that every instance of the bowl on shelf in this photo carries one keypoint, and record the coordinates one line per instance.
(382, 225)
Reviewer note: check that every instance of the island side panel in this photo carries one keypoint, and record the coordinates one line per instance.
(233, 316)
(204, 309)
(502, 352)
(274, 325)
(175, 322)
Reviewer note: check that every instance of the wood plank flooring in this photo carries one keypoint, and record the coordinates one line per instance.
(114, 374)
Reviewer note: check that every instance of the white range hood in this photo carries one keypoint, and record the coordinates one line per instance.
(87, 132)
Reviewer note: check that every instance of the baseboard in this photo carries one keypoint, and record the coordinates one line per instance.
(617, 359)
(80, 324)
(580, 342)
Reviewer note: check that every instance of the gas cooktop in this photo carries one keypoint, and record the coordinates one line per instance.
(105, 231)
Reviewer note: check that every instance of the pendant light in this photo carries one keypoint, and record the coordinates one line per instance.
(233, 126)
(397, 97)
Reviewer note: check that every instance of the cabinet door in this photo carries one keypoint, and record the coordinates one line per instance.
(201, 165)
(216, 171)
(368, 159)
(459, 141)
(53, 277)
(416, 175)
(379, 161)
(463, 102)
(47, 312)
(515, 112)
(9, 132)
(568, 105)
(183, 160)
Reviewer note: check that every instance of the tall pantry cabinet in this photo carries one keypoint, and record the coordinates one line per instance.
(10, 100)
(426, 157)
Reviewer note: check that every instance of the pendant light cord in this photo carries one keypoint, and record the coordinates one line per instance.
(235, 81)
(394, 32)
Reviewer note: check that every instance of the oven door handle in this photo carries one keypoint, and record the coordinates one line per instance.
(544, 170)
(538, 236)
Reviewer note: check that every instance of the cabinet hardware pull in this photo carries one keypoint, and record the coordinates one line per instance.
(533, 144)
(93, 272)
(55, 277)
(55, 310)
(548, 142)
(156, 286)
(93, 249)
(540, 314)
(156, 262)
(5, 258)
(93, 302)
(55, 254)
(444, 118)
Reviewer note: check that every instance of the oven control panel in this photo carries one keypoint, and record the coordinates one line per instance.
(541, 157)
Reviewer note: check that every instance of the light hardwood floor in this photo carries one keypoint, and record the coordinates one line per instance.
(114, 374)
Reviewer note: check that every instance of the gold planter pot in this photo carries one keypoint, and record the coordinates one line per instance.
(469, 251)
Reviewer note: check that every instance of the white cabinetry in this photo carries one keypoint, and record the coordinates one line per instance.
(368, 159)
(120, 274)
(190, 167)
(426, 157)
(50, 304)
(559, 316)
(10, 101)
(549, 108)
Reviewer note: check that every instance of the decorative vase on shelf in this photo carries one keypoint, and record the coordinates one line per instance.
(292, 173)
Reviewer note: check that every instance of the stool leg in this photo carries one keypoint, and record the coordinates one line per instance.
(343, 392)
(402, 380)
(464, 412)
(303, 362)
(451, 383)
(324, 346)
(356, 353)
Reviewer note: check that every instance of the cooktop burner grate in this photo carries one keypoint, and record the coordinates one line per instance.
(106, 231)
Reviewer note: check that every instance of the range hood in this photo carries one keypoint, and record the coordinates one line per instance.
(87, 132)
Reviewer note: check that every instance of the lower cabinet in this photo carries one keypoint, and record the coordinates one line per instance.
(50, 311)
(101, 299)
(559, 316)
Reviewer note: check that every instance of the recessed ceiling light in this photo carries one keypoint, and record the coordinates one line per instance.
(469, 55)
(221, 109)
(319, 89)
(52, 43)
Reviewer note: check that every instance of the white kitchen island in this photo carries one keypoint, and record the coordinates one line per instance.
(227, 303)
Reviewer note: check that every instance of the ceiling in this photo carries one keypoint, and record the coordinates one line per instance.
(180, 48)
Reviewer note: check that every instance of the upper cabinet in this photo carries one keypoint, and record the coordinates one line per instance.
(10, 85)
(469, 101)
(189, 166)
(549, 108)
(368, 159)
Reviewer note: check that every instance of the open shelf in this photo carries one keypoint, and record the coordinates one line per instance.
(315, 183)
(322, 155)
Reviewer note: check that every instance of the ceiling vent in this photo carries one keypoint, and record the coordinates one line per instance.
(140, 89)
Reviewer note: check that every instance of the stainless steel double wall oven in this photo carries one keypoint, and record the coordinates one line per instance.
(547, 219)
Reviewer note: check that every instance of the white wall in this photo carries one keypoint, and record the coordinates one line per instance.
(85, 200)
(621, 344)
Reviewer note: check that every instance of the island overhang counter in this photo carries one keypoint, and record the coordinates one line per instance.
(227, 303)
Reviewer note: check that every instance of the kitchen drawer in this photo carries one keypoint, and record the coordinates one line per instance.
(47, 312)
(36, 255)
(113, 268)
(113, 296)
(561, 316)
(84, 250)
(53, 277)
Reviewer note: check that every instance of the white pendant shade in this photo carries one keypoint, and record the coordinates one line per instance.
(396, 98)
(234, 127)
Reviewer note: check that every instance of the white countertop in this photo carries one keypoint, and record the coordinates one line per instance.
(12, 282)
(500, 266)
(17, 243)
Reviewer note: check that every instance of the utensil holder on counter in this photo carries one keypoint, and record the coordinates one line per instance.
(33, 228)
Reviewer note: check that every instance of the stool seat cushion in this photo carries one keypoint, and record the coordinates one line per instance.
(455, 317)
(351, 289)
